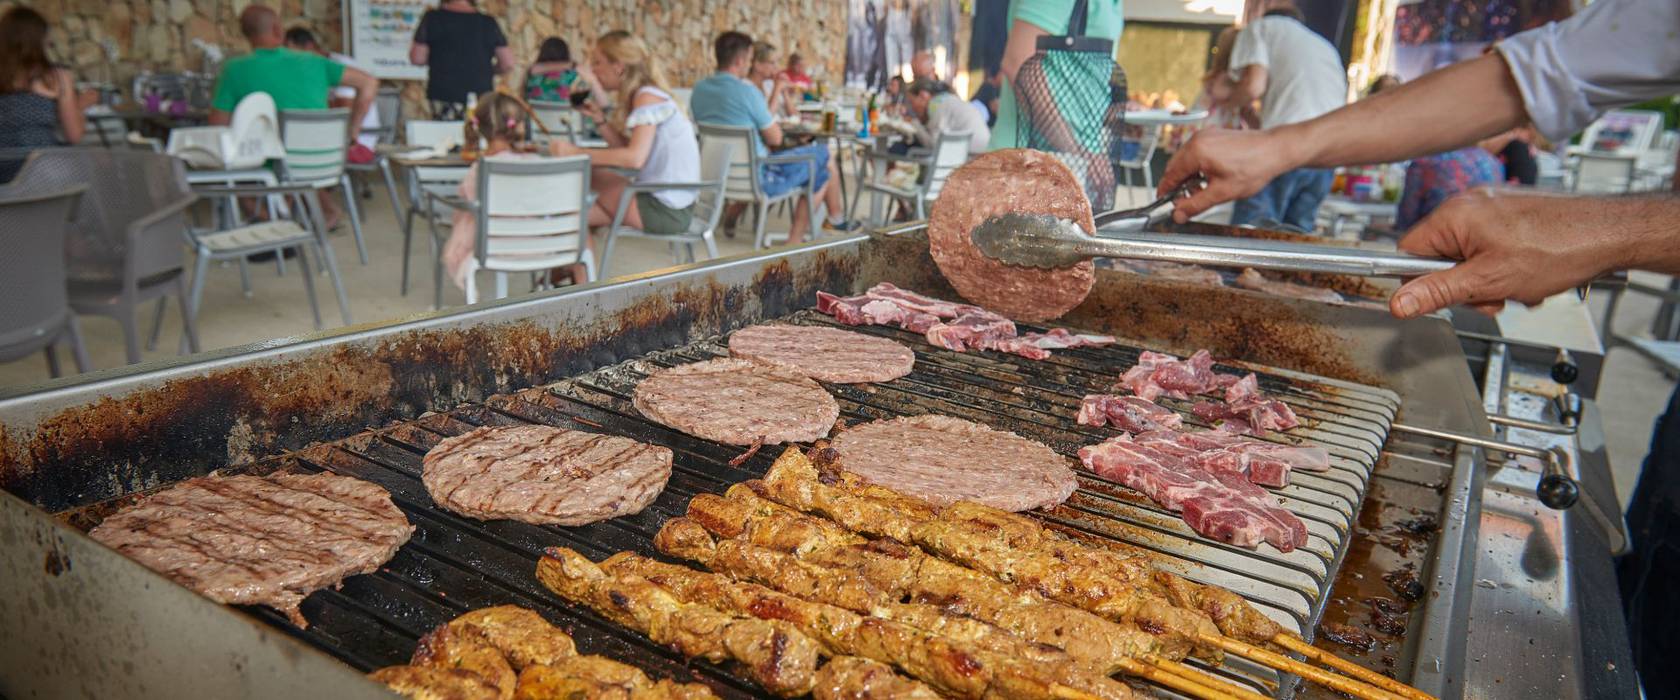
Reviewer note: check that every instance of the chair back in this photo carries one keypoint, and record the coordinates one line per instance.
(123, 188)
(532, 207)
(561, 120)
(32, 226)
(251, 138)
(389, 102)
(1603, 173)
(950, 151)
(742, 180)
(716, 157)
(422, 132)
(110, 129)
(316, 142)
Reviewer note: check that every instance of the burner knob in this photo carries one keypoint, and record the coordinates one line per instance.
(1558, 492)
(1565, 371)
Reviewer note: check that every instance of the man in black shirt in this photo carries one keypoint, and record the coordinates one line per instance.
(463, 51)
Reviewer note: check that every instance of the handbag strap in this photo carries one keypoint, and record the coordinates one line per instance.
(1076, 20)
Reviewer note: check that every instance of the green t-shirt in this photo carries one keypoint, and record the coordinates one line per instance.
(295, 79)
(1103, 19)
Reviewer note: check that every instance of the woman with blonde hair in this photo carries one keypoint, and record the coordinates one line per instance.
(648, 133)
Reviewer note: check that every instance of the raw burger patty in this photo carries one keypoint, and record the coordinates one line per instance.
(826, 354)
(738, 402)
(944, 460)
(544, 475)
(253, 540)
(1003, 182)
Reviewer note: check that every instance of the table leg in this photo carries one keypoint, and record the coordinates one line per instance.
(840, 173)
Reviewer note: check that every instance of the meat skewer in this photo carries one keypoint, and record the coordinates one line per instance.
(778, 656)
(857, 678)
(794, 481)
(685, 538)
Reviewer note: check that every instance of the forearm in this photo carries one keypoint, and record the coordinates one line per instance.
(1443, 111)
(613, 158)
(1644, 235)
(359, 110)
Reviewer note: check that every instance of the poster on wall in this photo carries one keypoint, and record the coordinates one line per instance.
(380, 32)
(882, 36)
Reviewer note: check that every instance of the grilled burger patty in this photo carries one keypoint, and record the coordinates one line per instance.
(1003, 182)
(944, 460)
(544, 475)
(822, 353)
(738, 402)
(253, 540)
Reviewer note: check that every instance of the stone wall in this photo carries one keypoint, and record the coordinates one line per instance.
(159, 35)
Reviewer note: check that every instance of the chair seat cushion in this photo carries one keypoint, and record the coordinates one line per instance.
(265, 234)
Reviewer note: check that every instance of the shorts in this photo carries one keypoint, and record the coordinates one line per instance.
(777, 179)
(659, 217)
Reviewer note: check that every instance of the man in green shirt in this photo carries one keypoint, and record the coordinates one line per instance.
(295, 79)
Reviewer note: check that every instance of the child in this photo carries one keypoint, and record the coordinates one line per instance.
(500, 121)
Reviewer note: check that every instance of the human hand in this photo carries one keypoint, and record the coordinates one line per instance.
(592, 110)
(560, 148)
(1516, 245)
(1235, 163)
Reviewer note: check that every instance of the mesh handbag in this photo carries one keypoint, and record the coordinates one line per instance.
(1072, 99)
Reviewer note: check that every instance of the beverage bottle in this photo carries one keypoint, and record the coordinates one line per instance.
(874, 119)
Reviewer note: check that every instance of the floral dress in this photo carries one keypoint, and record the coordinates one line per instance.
(550, 86)
(1432, 180)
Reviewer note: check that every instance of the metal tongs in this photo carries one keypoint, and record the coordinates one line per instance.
(1044, 241)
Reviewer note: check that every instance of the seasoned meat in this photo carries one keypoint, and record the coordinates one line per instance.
(738, 402)
(447, 648)
(598, 678)
(857, 678)
(824, 354)
(544, 475)
(943, 460)
(432, 683)
(522, 635)
(252, 540)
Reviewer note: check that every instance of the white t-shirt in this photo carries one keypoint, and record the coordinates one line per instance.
(1304, 74)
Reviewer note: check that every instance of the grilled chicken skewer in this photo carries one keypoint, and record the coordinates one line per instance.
(1016, 549)
(776, 654)
(850, 589)
(857, 678)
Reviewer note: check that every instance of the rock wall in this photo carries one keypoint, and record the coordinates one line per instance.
(158, 35)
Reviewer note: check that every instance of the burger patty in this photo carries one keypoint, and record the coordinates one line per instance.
(738, 402)
(945, 460)
(822, 353)
(1004, 182)
(544, 475)
(254, 540)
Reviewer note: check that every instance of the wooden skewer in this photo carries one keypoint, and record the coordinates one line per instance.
(1186, 671)
(1189, 686)
(1300, 646)
(1063, 692)
(1312, 673)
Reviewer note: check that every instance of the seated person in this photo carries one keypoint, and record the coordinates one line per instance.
(301, 39)
(652, 136)
(296, 80)
(987, 96)
(551, 77)
(937, 111)
(1432, 180)
(795, 74)
(776, 91)
(726, 98)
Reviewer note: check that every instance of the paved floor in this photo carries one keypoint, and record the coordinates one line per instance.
(1632, 394)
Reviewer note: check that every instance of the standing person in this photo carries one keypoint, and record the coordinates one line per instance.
(1028, 21)
(922, 66)
(552, 76)
(463, 51)
(650, 135)
(39, 106)
(897, 38)
(726, 98)
(940, 111)
(769, 80)
(1515, 245)
(1296, 75)
(301, 39)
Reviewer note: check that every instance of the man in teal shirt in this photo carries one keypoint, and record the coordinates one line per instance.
(295, 79)
(1029, 20)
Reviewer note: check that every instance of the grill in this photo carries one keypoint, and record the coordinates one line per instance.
(82, 456)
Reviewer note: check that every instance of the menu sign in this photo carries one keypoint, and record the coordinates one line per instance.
(380, 33)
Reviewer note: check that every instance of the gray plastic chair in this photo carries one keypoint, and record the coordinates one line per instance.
(37, 314)
(124, 247)
(316, 144)
(389, 102)
(715, 157)
(743, 184)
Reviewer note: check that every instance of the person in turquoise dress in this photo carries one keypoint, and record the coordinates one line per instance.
(553, 76)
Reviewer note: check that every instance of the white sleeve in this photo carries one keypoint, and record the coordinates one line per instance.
(1612, 54)
(1249, 50)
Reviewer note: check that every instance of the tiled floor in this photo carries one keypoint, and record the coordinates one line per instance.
(1633, 392)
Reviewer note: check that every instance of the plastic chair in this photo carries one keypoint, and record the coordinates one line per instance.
(1604, 173)
(715, 157)
(306, 232)
(743, 184)
(389, 103)
(124, 247)
(316, 143)
(426, 180)
(532, 215)
(37, 314)
(1139, 163)
(559, 117)
(251, 138)
(949, 152)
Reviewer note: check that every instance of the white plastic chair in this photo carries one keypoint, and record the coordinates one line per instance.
(316, 143)
(427, 180)
(532, 215)
(715, 156)
(1604, 173)
(389, 104)
(1140, 163)
(949, 152)
(251, 139)
(560, 118)
(743, 183)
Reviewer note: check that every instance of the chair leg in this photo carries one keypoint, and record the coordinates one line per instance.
(607, 249)
(53, 370)
(471, 289)
(245, 278)
(279, 265)
(811, 218)
(437, 262)
(309, 284)
(189, 324)
(391, 188)
(501, 285)
(201, 267)
(408, 246)
(313, 203)
(761, 210)
(589, 273)
(131, 334)
(157, 325)
(711, 246)
(1148, 181)
(345, 188)
(78, 350)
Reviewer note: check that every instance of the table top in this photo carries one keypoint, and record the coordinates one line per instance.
(404, 155)
(1156, 117)
(1343, 205)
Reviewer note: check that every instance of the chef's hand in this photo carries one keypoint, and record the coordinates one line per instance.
(1236, 163)
(1516, 245)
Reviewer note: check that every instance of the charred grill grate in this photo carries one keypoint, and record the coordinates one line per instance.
(454, 564)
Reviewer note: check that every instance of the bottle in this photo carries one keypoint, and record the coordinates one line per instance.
(473, 144)
(872, 122)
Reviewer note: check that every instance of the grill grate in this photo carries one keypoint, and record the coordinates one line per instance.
(454, 564)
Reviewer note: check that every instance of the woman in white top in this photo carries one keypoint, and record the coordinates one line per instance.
(648, 133)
